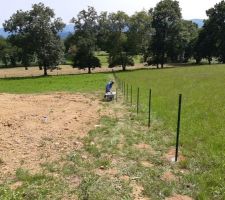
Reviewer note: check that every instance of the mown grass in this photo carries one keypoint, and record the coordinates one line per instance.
(37, 186)
(70, 83)
(112, 144)
(202, 122)
(137, 59)
(103, 57)
(108, 166)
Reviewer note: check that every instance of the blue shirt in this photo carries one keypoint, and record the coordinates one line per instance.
(108, 87)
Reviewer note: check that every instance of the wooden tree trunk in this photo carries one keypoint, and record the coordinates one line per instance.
(223, 59)
(45, 71)
(124, 67)
(162, 59)
(5, 62)
(198, 60)
(209, 60)
(89, 70)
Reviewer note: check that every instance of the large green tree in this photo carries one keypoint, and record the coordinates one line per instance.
(205, 45)
(167, 23)
(103, 31)
(9, 54)
(4, 57)
(211, 41)
(185, 41)
(36, 32)
(140, 32)
(85, 39)
(24, 43)
(119, 53)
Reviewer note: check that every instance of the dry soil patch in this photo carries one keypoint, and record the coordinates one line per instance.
(170, 155)
(137, 192)
(179, 197)
(35, 129)
(168, 177)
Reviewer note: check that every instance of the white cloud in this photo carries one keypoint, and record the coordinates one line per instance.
(196, 8)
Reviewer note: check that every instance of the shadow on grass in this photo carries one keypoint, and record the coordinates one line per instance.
(51, 76)
(192, 64)
(169, 66)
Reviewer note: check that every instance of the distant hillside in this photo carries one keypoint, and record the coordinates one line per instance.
(69, 28)
(200, 22)
(3, 33)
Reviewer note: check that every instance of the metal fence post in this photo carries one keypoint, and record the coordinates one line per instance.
(149, 108)
(116, 94)
(127, 93)
(131, 95)
(178, 127)
(124, 90)
(138, 93)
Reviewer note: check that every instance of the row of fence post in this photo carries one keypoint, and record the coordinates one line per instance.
(125, 91)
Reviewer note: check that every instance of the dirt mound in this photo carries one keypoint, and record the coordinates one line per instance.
(35, 129)
(168, 177)
(137, 191)
(179, 197)
(146, 147)
(170, 155)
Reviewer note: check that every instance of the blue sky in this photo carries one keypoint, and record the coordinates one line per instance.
(66, 9)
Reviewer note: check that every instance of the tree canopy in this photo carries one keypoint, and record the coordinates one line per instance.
(9, 54)
(167, 25)
(85, 39)
(211, 40)
(119, 54)
(36, 32)
(159, 35)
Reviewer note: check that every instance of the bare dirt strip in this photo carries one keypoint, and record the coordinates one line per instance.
(35, 129)
(62, 70)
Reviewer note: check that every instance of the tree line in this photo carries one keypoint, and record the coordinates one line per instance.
(160, 35)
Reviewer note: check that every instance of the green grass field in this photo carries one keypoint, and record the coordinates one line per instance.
(115, 161)
(103, 57)
(70, 83)
(203, 118)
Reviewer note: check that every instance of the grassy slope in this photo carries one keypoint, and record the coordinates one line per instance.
(202, 128)
(205, 159)
(109, 166)
(71, 83)
(103, 57)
